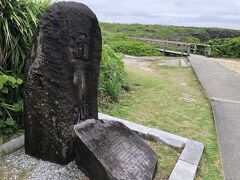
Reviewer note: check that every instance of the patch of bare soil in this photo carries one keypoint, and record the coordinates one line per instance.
(144, 63)
(188, 98)
(231, 64)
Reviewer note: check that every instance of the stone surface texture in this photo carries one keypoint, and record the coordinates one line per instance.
(110, 150)
(183, 171)
(11, 145)
(138, 128)
(192, 152)
(61, 80)
(170, 139)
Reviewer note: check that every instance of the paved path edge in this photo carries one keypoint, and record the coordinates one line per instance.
(211, 100)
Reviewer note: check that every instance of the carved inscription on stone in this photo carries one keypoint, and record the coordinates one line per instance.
(115, 150)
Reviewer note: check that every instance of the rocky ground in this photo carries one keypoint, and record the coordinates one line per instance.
(18, 166)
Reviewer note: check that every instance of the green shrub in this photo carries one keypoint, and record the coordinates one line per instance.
(18, 22)
(229, 47)
(11, 104)
(112, 74)
(125, 45)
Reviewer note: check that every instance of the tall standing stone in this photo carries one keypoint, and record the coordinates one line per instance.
(61, 80)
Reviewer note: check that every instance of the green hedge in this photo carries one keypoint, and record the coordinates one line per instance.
(112, 74)
(229, 47)
(125, 45)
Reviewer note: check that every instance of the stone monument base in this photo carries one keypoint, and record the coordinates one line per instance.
(110, 150)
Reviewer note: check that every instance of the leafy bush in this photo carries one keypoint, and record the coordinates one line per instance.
(11, 104)
(125, 45)
(229, 47)
(112, 74)
(18, 22)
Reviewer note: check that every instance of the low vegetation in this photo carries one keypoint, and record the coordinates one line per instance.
(10, 104)
(18, 22)
(112, 75)
(228, 47)
(175, 33)
(224, 42)
(125, 45)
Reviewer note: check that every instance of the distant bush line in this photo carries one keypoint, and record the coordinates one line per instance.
(228, 47)
(173, 33)
(224, 42)
(125, 45)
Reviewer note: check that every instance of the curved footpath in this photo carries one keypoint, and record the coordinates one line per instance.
(223, 89)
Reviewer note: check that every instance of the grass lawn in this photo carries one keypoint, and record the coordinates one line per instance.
(165, 154)
(171, 99)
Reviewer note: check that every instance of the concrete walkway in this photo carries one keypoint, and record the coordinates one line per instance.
(223, 89)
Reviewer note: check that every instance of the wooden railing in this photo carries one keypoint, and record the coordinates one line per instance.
(179, 48)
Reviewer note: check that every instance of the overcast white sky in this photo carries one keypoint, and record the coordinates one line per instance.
(210, 13)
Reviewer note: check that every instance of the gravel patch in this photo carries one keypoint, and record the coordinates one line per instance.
(18, 165)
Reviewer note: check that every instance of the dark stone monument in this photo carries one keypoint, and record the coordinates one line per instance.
(110, 150)
(61, 80)
(60, 101)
